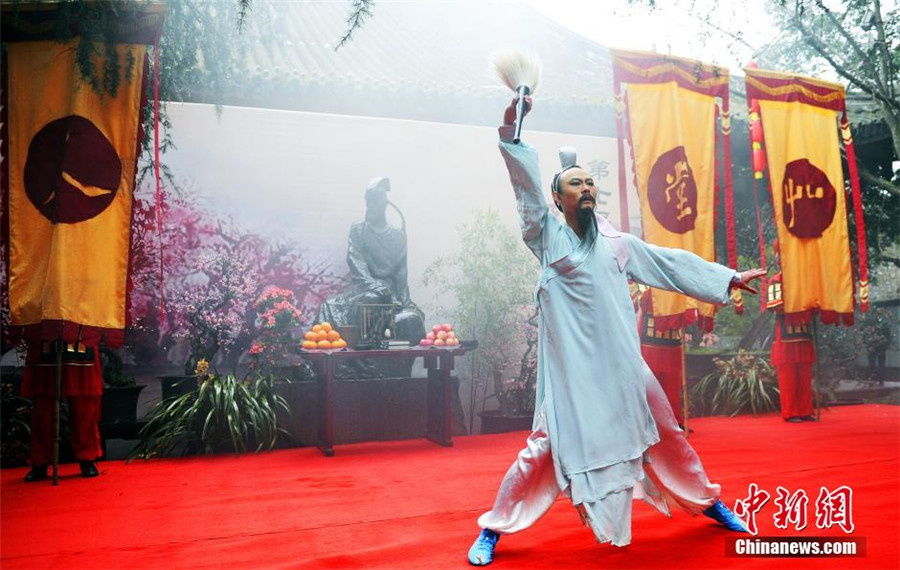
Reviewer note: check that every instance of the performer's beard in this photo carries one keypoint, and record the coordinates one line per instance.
(585, 219)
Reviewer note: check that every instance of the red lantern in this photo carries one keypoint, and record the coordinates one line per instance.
(759, 160)
(756, 132)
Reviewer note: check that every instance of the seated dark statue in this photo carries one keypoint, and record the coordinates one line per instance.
(376, 255)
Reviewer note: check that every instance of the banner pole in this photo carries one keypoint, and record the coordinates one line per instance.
(57, 396)
(817, 400)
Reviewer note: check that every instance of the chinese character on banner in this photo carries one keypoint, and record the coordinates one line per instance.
(791, 508)
(747, 508)
(835, 508)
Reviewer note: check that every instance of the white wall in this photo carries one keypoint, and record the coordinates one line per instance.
(303, 175)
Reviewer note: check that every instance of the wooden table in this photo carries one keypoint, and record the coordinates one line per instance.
(438, 361)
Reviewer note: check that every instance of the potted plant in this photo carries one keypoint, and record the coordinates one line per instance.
(277, 318)
(223, 414)
(492, 279)
(745, 383)
(120, 391)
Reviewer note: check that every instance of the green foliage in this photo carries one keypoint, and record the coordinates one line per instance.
(859, 42)
(223, 414)
(745, 383)
(819, 38)
(884, 278)
(841, 348)
(492, 279)
(15, 427)
(838, 351)
(96, 43)
(875, 328)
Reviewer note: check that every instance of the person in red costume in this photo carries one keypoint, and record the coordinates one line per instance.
(82, 386)
(793, 356)
(663, 353)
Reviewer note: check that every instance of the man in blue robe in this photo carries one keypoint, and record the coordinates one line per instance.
(603, 430)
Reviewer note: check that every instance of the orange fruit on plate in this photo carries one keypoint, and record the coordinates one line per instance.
(308, 344)
(333, 335)
(321, 335)
(327, 327)
(316, 328)
(340, 343)
(310, 336)
(324, 344)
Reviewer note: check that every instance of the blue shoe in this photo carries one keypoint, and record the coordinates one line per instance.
(482, 551)
(719, 512)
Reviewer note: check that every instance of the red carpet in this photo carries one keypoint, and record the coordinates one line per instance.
(411, 504)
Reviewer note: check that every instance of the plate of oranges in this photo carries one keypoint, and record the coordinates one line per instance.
(323, 337)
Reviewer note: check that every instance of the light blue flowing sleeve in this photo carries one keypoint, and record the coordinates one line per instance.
(525, 176)
(678, 270)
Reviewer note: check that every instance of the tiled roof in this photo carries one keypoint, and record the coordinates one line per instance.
(429, 60)
(419, 60)
(431, 46)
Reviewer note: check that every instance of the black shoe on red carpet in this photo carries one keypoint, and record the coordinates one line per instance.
(809, 418)
(794, 420)
(37, 473)
(88, 469)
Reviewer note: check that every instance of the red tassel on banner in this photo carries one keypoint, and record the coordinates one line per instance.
(730, 239)
(858, 214)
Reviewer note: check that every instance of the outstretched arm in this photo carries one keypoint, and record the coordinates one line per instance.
(684, 272)
(525, 176)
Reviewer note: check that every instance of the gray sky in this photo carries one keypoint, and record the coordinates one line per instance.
(675, 27)
(678, 27)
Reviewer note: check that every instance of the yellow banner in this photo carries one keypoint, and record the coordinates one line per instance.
(673, 133)
(71, 176)
(803, 151)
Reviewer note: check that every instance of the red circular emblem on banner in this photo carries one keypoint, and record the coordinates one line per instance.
(808, 200)
(672, 191)
(72, 172)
